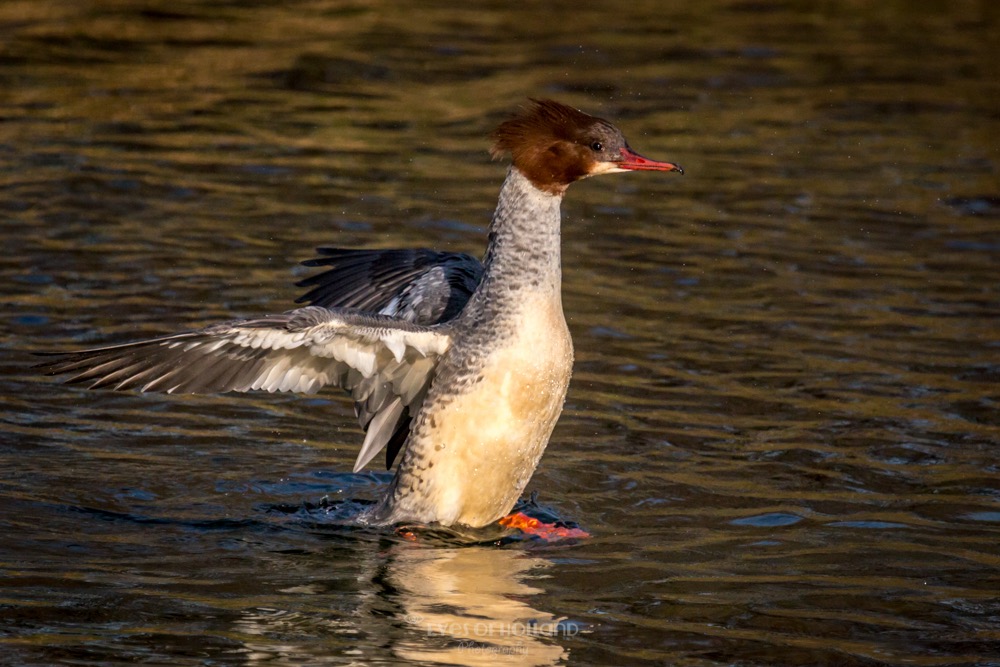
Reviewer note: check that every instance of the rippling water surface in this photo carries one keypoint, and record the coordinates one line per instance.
(782, 430)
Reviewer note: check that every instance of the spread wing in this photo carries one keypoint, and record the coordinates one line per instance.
(385, 363)
(420, 286)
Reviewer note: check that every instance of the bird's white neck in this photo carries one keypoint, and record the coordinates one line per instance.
(524, 250)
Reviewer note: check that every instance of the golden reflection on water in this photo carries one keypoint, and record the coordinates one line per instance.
(473, 606)
(456, 606)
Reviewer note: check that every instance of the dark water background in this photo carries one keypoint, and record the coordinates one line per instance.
(783, 425)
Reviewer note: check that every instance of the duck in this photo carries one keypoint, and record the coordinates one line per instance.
(457, 367)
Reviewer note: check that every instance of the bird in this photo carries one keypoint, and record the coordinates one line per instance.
(457, 367)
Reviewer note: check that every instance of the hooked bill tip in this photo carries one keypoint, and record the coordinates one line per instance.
(635, 162)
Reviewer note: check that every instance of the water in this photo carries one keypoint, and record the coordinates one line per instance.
(782, 430)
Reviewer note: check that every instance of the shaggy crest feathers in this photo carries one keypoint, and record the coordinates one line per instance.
(540, 121)
(547, 142)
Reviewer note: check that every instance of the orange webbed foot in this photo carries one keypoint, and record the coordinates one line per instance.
(550, 532)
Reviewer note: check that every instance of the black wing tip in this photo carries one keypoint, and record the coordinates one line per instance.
(329, 252)
(53, 361)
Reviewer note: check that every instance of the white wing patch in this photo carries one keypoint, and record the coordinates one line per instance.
(386, 364)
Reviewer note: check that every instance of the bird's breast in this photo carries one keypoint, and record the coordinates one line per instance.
(479, 445)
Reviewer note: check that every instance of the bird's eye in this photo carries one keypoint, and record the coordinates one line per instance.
(597, 146)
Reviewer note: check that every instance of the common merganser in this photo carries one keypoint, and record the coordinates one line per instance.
(462, 366)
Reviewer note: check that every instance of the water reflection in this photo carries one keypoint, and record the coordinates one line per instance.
(472, 606)
(465, 605)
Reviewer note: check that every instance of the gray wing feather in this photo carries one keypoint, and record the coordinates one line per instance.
(380, 430)
(417, 285)
(385, 363)
(421, 286)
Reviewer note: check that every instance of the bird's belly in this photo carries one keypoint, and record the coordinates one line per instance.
(476, 449)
